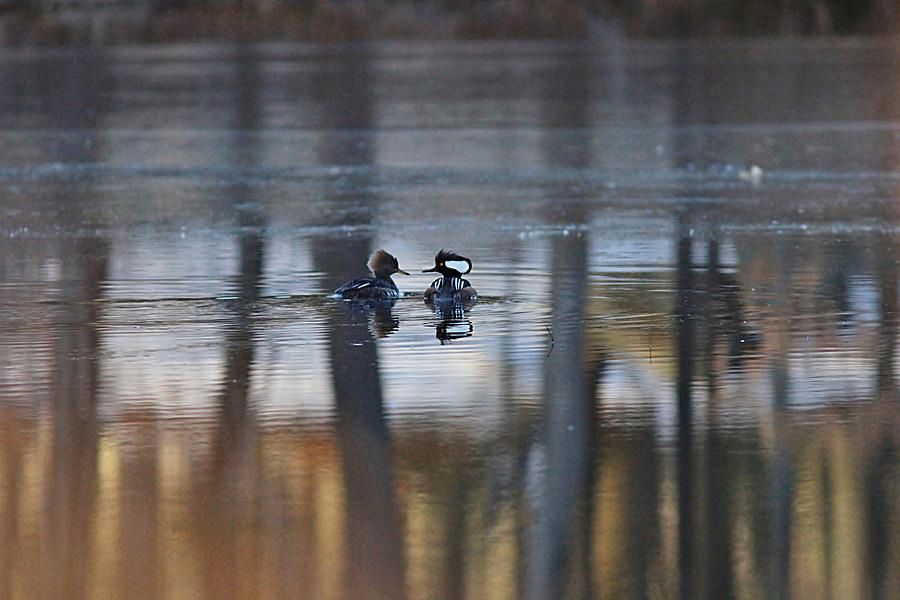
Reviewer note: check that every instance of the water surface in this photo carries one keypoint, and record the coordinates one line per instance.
(681, 380)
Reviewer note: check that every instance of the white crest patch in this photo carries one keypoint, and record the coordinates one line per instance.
(458, 265)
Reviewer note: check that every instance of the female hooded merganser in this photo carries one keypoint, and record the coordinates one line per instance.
(382, 265)
(451, 287)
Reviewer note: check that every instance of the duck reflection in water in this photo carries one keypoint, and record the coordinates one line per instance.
(453, 323)
(377, 313)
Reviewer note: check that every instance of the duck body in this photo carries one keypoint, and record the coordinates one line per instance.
(369, 288)
(379, 287)
(451, 286)
(450, 289)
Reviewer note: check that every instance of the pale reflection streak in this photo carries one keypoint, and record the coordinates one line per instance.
(558, 554)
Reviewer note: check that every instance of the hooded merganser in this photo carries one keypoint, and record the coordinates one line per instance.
(451, 287)
(382, 265)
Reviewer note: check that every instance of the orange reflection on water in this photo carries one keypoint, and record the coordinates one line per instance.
(159, 512)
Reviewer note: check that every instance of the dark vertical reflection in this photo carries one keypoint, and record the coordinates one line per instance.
(560, 545)
(712, 336)
(220, 498)
(887, 248)
(881, 476)
(886, 274)
(251, 221)
(718, 469)
(781, 482)
(881, 497)
(343, 86)
(841, 263)
(688, 98)
(71, 492)
(72, 485)
(374, 539)
(684, 353)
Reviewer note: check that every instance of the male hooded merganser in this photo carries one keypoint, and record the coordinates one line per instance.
(382, 265)
(451, 287)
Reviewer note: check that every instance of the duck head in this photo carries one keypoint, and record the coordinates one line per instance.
(383, 264)
(450, 264)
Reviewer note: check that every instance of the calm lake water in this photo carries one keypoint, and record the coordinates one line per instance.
(681, 380)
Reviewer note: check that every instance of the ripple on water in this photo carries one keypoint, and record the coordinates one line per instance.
(187, 353)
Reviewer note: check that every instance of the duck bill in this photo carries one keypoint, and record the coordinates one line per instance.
(401, 271)
(431, 270)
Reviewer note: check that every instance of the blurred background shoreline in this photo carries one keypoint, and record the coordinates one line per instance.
(103, 22)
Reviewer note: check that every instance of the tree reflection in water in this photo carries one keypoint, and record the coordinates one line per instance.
(373, 528)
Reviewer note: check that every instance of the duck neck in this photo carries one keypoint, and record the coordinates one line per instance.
(387, 279)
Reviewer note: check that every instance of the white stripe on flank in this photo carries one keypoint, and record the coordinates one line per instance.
(458, 265)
